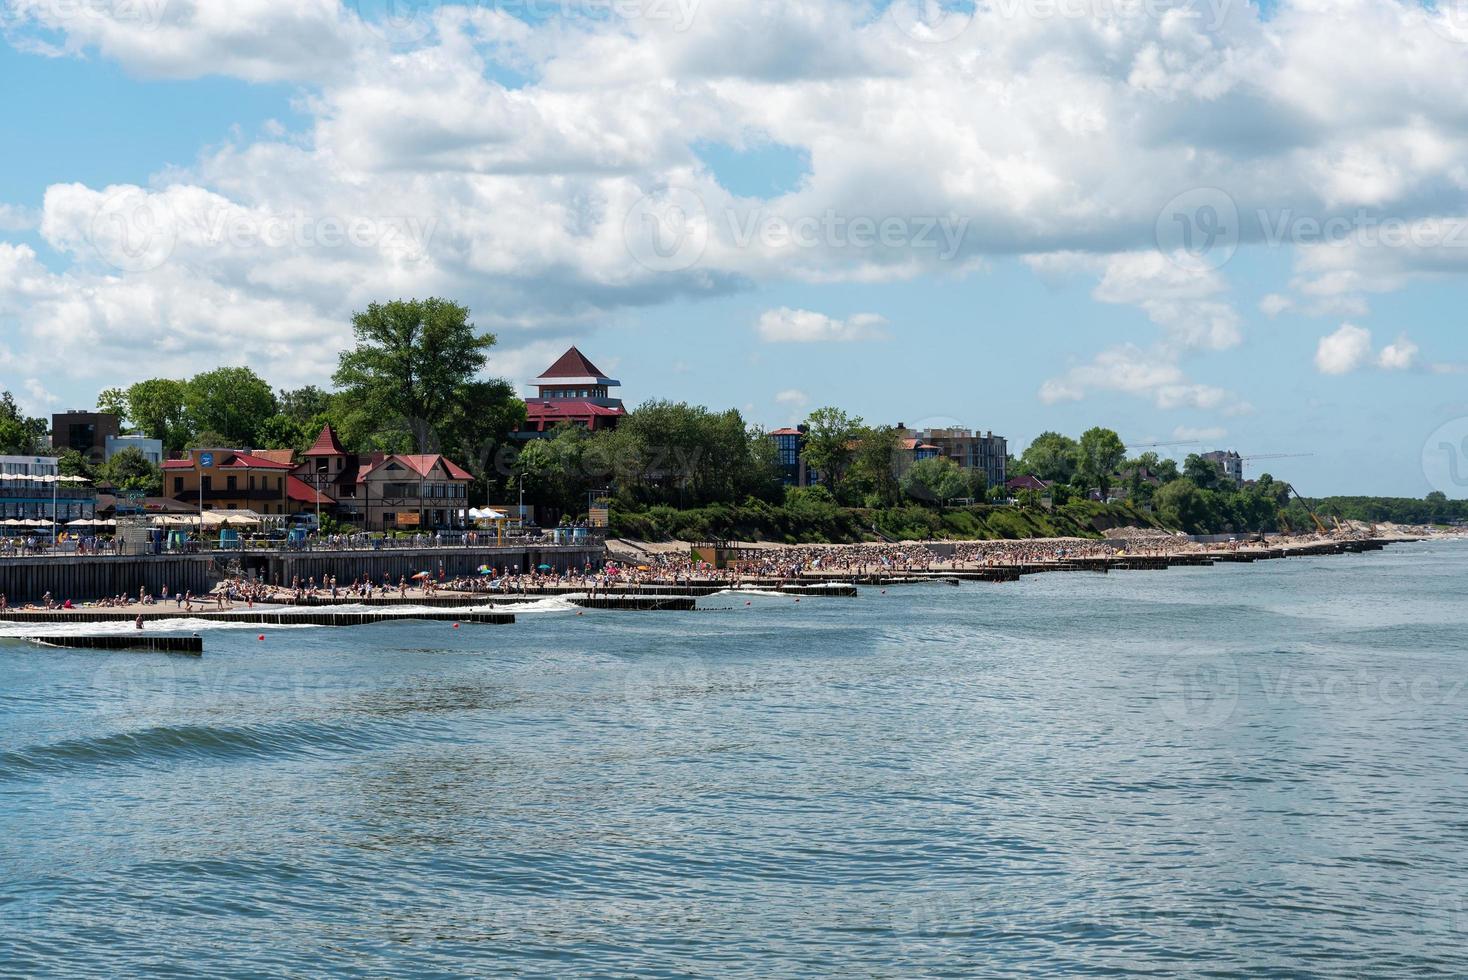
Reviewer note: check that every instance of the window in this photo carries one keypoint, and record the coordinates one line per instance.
(178, 484)
(229, 482)
(206, 482)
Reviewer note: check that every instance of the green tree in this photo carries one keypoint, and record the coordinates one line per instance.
(156, 408)
(1181, 504)
(233, 401)
(830, 445)
(1098, 454)
(1204, 473)
(413, 362)
(1051, 456)
(20, 435)
(129, 471)
(114, 402)
(304, 405)
(936, 479)
(879, 464)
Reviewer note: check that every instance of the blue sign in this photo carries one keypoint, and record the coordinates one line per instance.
(206, 460)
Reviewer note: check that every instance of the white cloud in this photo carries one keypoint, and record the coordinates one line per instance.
(16, 218)
(1398, 356)
(1344, 351)
(787, 326)
(1349, 349)
(1031, 128)
(1131, 370)
(793, 397)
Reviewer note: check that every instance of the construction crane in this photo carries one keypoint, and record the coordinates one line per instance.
(1251, 458)
(1319, 524)
(1160, 445)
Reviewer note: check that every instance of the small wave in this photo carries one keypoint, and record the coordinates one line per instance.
(181, 624)
(173, 743)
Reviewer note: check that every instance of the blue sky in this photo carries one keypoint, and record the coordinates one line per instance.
(535, 167)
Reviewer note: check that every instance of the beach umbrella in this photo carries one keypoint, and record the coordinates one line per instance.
(422, 575)
(485, 570)
(544, 568)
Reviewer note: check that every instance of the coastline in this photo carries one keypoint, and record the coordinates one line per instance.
(818, 571)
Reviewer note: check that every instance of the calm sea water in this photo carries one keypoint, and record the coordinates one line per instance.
(1239, 771)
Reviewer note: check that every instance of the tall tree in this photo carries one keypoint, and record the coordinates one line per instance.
(156, 407)
(413, 360)
(1051, 456)
(114, 402)
(1203, 472)
(830, 445)
(232, 401)
(1098, 454)
(20, 435)
(880, 464)
(936, 479)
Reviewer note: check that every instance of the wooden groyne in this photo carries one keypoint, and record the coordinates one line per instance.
(189, 645)
(260, 618)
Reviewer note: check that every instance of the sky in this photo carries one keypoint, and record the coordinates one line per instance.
(1206, 224)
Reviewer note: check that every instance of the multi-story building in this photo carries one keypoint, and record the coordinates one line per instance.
(1229, 463)
(33, 489)
(790, 456)
(572, 391)
(382, 491)
(152, 449)
(228, 479)
(985, 453)
(86, 432)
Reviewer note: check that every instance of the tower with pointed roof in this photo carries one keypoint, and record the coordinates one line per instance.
(572, 391)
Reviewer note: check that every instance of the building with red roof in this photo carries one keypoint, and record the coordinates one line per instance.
(572, 391)
(385, 491)
(229, 479)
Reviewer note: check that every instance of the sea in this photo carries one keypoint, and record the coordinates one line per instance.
(1238, 771)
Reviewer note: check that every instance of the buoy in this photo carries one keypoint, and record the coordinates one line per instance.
(748, 603)
(456, 626)
(261, 636)
(797, 600)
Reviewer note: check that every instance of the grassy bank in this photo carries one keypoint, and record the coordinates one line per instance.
(813, 522)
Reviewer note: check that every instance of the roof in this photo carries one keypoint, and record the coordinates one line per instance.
(420, 463)
(244, 461)
(299, 490)
(1026, 482)
(540, 408)
(277, 455)
(574, 364)
(787, 432)
(326, 444)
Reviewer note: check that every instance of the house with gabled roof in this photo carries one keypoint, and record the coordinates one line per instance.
(386, 491)
(229, 479)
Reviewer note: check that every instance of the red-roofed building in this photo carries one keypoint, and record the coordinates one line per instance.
(228, 479)
(572, 391)
(386, 492)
